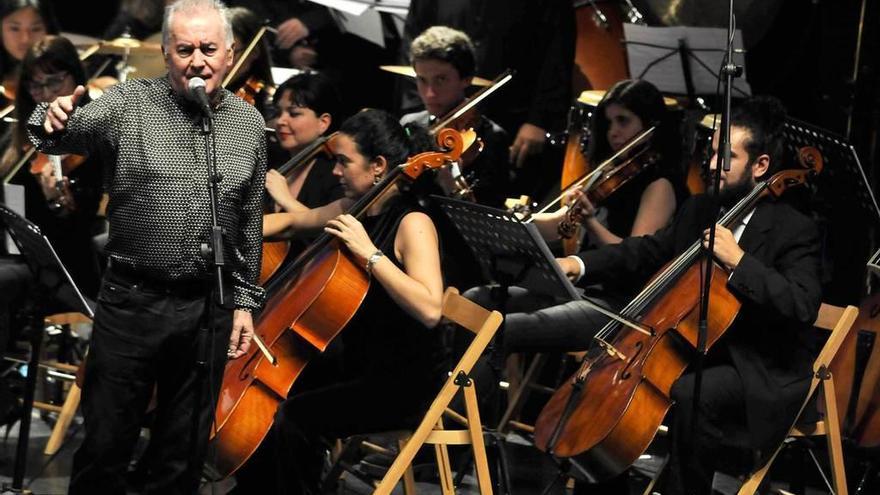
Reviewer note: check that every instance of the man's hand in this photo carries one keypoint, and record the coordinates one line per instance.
(60, 109)
(289, 32)
(242, 334)
(570, 267)
(727, 251)
(529, 141)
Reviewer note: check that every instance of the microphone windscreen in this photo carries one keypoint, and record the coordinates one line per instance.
(195, 83)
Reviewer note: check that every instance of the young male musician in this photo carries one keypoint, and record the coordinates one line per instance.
(158, 290)
(443, 59)
(757, 375)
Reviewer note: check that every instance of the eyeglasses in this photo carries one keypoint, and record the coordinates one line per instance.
(51, 83)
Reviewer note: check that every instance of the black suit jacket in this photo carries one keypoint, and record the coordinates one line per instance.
(777, 281)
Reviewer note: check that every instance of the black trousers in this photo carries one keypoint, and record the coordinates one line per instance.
(369, 404)
(720, 438)
(146, 338)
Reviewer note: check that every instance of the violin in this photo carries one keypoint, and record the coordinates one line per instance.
(574, 166)
(463, 118)
(610, 176)
(60, 168)
(628, 374)
(250, 90)
(308, 303)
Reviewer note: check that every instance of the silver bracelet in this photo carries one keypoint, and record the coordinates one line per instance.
(375, 257)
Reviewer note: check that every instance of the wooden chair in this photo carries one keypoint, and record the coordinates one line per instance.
(66, 411)
(839, 321)
(483, 324)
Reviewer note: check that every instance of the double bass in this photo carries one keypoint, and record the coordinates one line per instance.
(308, 304)
(607, 414)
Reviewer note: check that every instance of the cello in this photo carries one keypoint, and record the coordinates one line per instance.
(629, 372)
(308, 304)
(275, 252)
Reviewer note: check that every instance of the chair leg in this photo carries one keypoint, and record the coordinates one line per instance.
(521, 392)
(481, 463)
(409, 479)
(835, 445)
(750, 486)
(68, 410)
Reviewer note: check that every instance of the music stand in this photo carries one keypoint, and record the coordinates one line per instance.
(509, 253)
(842, 188)
(682, 60)
(56, 285)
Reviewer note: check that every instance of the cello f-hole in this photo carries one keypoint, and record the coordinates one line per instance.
(639, 347)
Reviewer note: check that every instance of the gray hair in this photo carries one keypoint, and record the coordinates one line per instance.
(189, 6)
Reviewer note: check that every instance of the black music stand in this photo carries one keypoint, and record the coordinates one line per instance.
(56, 286)
(842, 188)
(509, 253)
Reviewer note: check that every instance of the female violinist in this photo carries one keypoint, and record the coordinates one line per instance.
(641, 206)
(647, 202)
(52, 68)
(391, 354)
(23, 23)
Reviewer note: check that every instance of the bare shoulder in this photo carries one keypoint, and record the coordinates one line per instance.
(417, 224)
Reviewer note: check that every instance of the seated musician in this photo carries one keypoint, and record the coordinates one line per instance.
(253, 79)
(391, 353)
(443, 59)
(306, 105)
(757, 375)
(642, 206)
(66, 212)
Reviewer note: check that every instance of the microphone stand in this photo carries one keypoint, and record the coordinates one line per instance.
(213, 251)
(729, 70)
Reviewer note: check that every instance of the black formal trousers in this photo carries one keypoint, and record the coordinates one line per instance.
(145, 338)
(306, 422)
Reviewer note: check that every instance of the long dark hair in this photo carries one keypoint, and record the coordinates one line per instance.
(645, 100)
(49, 55)
(8, 7)
(245, 25)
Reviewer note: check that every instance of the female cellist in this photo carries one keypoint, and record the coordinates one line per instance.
(52, 68)
(391, 355)
(306, 105)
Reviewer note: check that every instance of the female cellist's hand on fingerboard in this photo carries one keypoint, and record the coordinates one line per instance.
(351, 232)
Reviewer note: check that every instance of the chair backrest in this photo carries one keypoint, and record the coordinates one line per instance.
(839, 321)
(466, 313)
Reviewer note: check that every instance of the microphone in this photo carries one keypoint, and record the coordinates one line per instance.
(196, 88)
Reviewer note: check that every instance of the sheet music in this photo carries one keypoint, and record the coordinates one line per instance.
(647, 46)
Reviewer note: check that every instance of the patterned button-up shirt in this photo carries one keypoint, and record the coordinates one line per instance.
(151, 140)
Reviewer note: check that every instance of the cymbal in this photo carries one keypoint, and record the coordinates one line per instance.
(711, 121)
(592, 97)
(131, 46)
(406, 70)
